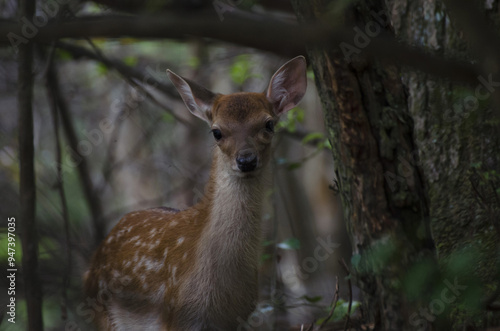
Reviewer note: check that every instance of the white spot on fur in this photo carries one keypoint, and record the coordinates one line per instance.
(110, 239)
(173, 223)
(150, 265)
(180, 240)
(158, 296)
(165, 255)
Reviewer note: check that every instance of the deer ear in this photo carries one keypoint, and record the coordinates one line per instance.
(198, 99)
(288, 85)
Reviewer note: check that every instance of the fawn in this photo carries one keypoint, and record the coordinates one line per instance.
(196, 269)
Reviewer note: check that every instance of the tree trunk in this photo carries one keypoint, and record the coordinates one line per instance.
(459, 147)
(418, 178)
(371, 134)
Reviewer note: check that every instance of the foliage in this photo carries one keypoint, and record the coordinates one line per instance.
(294, 117)
(341, 309)
(241, 70)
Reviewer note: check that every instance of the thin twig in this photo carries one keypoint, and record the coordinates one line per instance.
(81, 164)
(130, 74)
(60, 187)
(334, 303)
(346, 268)
(27, 180)
(109, 167)
(310, 326)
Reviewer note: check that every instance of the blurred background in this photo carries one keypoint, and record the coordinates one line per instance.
(127, 142)
(402, 95)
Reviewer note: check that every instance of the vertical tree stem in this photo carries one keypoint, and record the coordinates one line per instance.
(27, 188)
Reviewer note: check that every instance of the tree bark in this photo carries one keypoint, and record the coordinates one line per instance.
(417, 160)
(459, 147)
(371, 133)
(27, 187)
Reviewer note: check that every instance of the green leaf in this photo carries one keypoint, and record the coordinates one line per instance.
(476, 165)
(265, 257)
(312, 136)
(294, 116)
(64, 55)
(194, 62)
(240, 70)
(167, 117)
(130, 61)
(340, 311)
(101, 69)
(267, 243)
(312, 299)
(294, 165)
(310, 74)
(289, 244)
(355, 259)
(327, 144)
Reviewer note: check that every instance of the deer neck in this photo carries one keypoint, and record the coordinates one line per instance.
(227, 254)
(233, 232)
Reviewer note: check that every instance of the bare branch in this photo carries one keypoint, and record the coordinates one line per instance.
(81, 164)
(60, 185)
(334, 303)
(284, 38)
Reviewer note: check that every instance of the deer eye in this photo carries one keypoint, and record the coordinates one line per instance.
(270, 126)
(217, 134)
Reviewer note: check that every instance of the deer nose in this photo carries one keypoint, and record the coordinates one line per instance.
(247, 162)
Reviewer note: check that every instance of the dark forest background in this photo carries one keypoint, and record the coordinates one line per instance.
(390, 163)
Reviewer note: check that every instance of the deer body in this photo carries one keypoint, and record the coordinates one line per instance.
(196, 269)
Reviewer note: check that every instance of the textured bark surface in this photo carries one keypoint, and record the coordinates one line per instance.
(371, 134)
(415, 164)
(459, 146)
